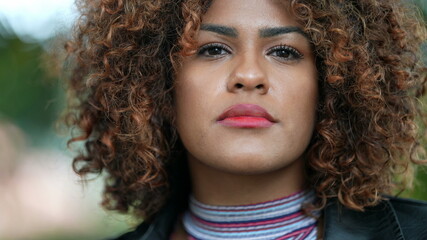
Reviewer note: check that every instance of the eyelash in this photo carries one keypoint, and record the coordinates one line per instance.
(292, 53)
(203, 51)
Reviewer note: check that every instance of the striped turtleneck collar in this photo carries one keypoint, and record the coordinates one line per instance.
(282, 218)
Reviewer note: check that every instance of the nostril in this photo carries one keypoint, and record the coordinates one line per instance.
(260, 86)
(239, 85)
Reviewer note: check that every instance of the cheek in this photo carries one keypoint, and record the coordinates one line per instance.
(299, 98)
(191, 104)
(197, 91)
(298, 89)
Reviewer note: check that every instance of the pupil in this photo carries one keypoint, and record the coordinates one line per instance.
(284, 53)
(214, 51)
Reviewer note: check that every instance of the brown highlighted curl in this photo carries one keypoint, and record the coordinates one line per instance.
(122, 61)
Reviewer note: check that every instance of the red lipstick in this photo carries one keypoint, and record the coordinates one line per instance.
(246, 116)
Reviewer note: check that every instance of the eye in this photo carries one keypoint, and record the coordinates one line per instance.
(214, 50)
(285, 53)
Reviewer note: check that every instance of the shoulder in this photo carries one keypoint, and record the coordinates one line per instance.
(392, 218)
(412, 216)
(405, 204)
(134, 234)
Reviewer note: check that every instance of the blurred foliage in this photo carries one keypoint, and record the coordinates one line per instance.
(420, 187)
(28, 97)
(32, 97)
(422, 4)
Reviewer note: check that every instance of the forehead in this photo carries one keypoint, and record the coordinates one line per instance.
(245, 13)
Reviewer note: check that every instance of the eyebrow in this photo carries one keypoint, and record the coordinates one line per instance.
(275, 31)
(220, 29)
(263, 33)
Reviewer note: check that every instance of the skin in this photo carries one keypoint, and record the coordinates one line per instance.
(241, 59)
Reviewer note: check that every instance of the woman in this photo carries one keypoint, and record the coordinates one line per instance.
(251, 119)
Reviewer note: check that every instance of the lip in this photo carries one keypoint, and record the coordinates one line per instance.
(246, 116)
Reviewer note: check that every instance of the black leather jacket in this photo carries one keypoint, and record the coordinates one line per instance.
(393, 219)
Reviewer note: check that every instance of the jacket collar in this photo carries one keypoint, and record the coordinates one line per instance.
(379, 222)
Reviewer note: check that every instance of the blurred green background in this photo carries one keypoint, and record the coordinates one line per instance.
(31, 99)
(40, 197)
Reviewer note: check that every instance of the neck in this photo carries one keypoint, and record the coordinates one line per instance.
(216, 187)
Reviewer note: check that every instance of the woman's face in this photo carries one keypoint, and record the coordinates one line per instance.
(246, 101)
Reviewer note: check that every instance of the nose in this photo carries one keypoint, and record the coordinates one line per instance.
(248, 75)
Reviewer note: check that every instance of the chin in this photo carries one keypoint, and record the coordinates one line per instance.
(250, 164)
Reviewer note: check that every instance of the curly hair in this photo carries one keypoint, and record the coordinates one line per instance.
(123, 59)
